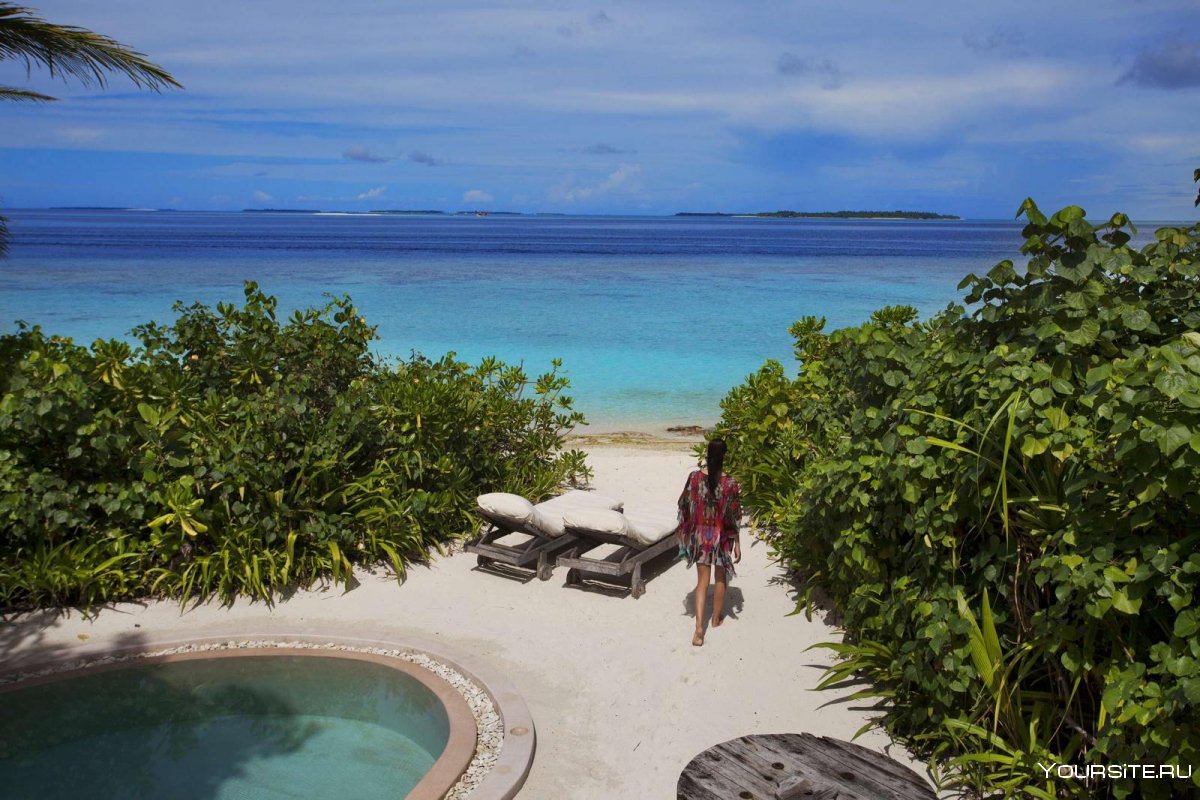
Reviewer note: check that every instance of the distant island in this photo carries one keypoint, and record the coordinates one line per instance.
(826, 214)
(405, 211)
(90, 208)
(278, 211)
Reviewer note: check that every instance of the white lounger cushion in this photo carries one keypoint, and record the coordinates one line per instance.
(638, 527)
(546, 517)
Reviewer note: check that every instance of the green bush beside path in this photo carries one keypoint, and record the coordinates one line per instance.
(234, 453)
(1004, 505)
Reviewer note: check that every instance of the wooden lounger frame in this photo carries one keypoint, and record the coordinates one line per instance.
(534, 554)
(636, 555)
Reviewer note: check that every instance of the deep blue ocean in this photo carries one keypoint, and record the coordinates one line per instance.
(655, 318)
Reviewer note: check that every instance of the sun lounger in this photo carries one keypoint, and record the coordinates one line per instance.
(641, 535)
(511, 513)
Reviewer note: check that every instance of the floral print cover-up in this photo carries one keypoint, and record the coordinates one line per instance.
(708, 526)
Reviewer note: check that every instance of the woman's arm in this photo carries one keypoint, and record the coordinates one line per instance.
(733, 507)
(733, 515)
(685, 504)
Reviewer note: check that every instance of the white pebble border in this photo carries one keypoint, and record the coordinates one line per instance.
(488, 725)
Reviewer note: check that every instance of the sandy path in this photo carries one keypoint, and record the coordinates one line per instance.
(621, 699)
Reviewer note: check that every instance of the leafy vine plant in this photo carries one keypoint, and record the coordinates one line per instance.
(233, 452)
(1002, 502)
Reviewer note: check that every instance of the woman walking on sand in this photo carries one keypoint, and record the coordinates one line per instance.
(710, 510)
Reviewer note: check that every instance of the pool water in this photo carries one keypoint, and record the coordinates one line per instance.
(222, 728)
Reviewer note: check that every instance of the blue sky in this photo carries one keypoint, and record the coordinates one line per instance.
(623, 107)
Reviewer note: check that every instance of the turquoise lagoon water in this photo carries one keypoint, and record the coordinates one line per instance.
(254, 728)
(655, 318)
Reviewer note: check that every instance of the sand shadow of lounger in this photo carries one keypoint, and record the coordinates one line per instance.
(539, 529)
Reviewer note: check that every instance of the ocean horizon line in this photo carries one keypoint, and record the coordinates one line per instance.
(820, 217)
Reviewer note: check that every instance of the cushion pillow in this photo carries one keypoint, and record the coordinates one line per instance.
(638, 528)
(505, 507)
(599, 520)
(546, 517)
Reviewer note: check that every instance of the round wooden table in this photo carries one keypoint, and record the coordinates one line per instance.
(797, 766)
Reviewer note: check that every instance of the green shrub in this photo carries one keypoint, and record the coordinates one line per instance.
(1004, 506)
(232, 453)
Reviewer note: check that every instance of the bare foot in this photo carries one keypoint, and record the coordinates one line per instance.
(716, 621)
(697, 639)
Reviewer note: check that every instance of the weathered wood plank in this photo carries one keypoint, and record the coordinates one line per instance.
(881, 770)
(499, 552)
(852, 771)
(793, 761)
(632, 557)
(718, 781)
(744, 777)
(796, 788)
(519, 555)
(877, 772)
(739, 753)
(773, 767)
(695, 787)
(592, 565)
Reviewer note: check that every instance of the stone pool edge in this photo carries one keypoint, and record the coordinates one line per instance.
(519, 739)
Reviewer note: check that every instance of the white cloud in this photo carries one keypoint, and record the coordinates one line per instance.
(699, 93)
(623, 177)
(80, 135)
(262, 197)
(1181, 146)
(372, 194)
(879, 107)
(477, 196)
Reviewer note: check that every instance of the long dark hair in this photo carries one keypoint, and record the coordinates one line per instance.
(716, 460)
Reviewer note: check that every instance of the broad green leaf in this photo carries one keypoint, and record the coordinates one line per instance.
(1136, 319)
(1086, 333)
(1173, 383)
(1116, 575)
(148, 413)
(1034, 445)
(1171, 439)
(1121, 602)
(917, 445)
(1058, 418)
(1041, 396)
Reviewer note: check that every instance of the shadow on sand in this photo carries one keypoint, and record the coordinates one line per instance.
(615, 586)
(735, 601)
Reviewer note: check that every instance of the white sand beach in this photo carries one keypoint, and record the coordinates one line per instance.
(620, 697)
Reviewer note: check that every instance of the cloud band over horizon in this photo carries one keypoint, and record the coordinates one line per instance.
(619, 107)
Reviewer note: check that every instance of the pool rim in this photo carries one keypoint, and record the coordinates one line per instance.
(501, 782)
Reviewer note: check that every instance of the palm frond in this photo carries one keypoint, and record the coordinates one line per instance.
(71, 52)
(13, 93)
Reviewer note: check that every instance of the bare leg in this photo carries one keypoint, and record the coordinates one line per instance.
(699, 597)
(718, 597)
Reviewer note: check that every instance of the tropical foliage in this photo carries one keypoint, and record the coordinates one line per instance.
(1004, 505)
(235, 453)
(68, 52)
